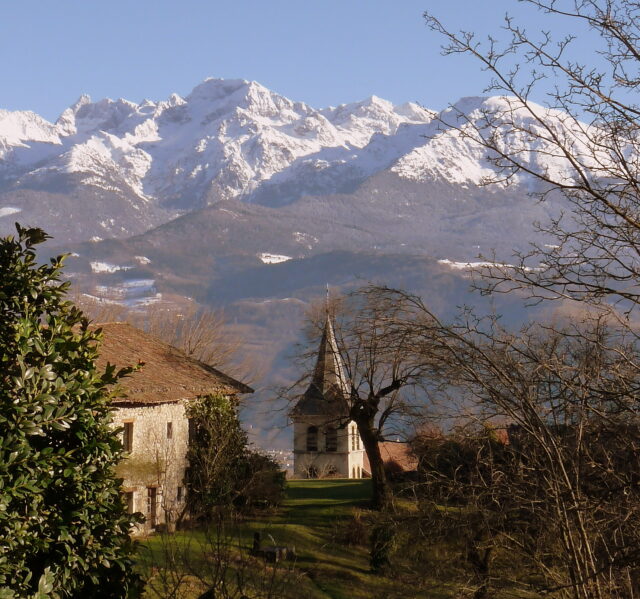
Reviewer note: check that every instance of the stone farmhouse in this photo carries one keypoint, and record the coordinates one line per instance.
(150, 410)
(325, 441)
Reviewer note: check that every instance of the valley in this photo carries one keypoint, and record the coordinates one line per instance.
(240, 199)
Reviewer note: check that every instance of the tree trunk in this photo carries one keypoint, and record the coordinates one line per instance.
(479, 556)
(381, 496)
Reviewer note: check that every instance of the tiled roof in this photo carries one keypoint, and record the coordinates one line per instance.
(168, 374)
(400, 453)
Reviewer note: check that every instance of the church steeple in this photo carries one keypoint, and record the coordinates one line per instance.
(329, 371)
(328, 391)
(325, 440)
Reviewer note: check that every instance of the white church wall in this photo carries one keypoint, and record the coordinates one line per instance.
(344, 463)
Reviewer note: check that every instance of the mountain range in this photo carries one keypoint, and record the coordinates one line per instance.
(239, 197)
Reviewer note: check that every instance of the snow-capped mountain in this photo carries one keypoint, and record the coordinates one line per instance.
(222, 141)
(236, 196)
(114, 168)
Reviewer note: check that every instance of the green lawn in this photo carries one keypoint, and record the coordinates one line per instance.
(317, 518)
(328, 491)
(312, 518)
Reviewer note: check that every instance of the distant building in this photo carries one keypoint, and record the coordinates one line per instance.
(150, 409)
(398, 458)
(325, 441)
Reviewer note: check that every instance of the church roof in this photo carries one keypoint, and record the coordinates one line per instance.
(328, 391)
(168, 374)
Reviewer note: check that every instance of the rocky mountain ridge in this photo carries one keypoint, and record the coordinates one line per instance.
(114, 168)
(242, 199)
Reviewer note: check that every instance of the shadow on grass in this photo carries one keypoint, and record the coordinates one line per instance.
(318, 504)
(331, 490)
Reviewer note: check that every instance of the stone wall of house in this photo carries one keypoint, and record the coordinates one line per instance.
(153, 471)
(346, 462)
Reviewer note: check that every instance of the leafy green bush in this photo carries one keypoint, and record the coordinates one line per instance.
(64, 530)
(216, 448)
(222, 471)
(261, 481)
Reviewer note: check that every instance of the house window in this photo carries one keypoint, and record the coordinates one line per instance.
(128, 499)
(331, 439)
(312, 438)
(169, 430)
(127, 436)
(152, 506)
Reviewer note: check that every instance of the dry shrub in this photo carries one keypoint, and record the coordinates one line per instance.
(353, 531)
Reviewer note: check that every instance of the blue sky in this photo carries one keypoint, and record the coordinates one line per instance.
(323, 52)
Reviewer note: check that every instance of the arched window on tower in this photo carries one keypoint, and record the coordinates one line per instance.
(312, 438)
(353, 438)
(331, 439)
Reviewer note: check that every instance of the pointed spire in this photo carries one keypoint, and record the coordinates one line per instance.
(328, 391)
(326, 303)
(329, 371)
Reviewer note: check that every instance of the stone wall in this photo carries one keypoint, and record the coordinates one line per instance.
(155, 466)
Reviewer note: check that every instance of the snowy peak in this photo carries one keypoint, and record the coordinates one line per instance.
(215, 90)
(106, 115)
(223, 140)
(66, 122)
(450, 152)
(18, 128)
(223, 96)
(173, 100)
(415, 113)
(381, 116)
(469, 105)
(236, 139)
(82, 101)
(507, 111)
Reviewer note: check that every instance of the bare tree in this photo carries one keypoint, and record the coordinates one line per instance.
(583, 144)
(565, 501)
(562, 494)
(381, 373)
(200, 332)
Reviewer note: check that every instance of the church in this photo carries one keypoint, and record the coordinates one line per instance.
(326, 442)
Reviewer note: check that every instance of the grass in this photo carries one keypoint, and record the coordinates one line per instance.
(317, 518)
(311, 519)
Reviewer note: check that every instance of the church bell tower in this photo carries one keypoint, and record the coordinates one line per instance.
(325, 442)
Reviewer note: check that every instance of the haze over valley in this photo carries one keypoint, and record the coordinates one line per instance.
(242, 199)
